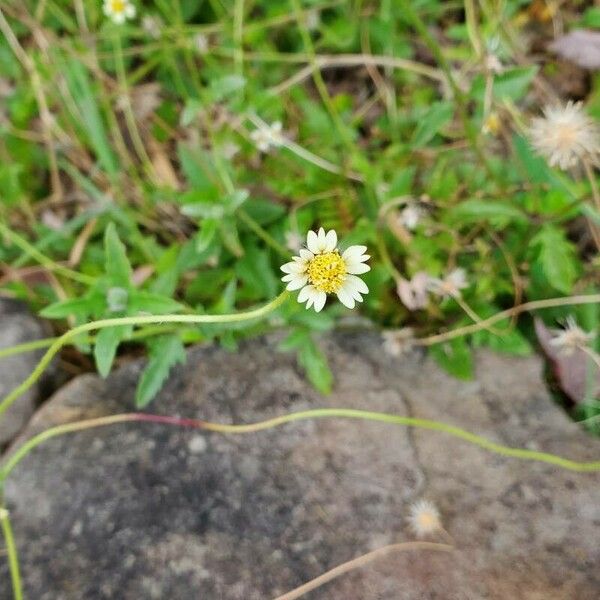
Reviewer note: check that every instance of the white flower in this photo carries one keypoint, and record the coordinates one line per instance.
(411, 215)
(119, 10)
(313, 20)
(321, 269)
(566, 136)
(424, 518)
(293, 241)
(413, 293)
(267, 136)
(398, 341)
(451, 285)
(571, 337)
(152, 25)
(201, 43)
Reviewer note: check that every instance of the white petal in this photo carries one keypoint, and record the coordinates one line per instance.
(306, 254)
(321, 240)
(345, 298)
(357, 268)
(296, 283)
(290, 267)
(354, 284)
(355, 254)
(306, 293)
(130, 11)
(330, 241)
(320, 301)
(312, 242)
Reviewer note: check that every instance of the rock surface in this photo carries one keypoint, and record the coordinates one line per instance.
(144, 511)
(17, 326)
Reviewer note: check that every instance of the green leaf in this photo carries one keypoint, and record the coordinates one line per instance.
(513, 84)
(431, 122)
(455, 357)
(557, 258)
(314, 363)
(509, 341)
(156, 304)
(81, 307)
(85, 98)
(165, 352)
(254, 269)
(496, 212)
(206, 235)
(106, 344)
(116, 264)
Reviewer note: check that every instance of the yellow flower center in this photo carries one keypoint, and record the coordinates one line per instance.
(118, 6)
(327, 271)
(566, 136)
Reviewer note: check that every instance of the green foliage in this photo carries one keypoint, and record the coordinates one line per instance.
(144, 191)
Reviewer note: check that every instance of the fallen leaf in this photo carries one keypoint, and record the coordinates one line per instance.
(581, 47)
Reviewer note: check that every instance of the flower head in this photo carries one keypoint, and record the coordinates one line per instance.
(119, 10)
(424, 518)
(398, 341)
(451, 285)
(571, 337)
(413, 293)
(153, 26)
(322, 269)
(411, 215)
(267, 136)
(565, 136)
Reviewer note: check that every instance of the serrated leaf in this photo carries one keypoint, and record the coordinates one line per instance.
(116, 263)
(314, 363)
(431, 122)
(206, 235)
(73, 306)
(455, 357)
(106, 344)
(142, 301)
(557, 257)
(165, 352)
(255, 270)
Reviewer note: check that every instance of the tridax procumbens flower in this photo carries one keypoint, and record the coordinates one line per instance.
(267, 136)
(571, 337)
(322, 269)
(566, 136)
(118, 11)
(451, 285)
(424, 518)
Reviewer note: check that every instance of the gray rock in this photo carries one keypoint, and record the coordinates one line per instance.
(143, 511)
(17, 326)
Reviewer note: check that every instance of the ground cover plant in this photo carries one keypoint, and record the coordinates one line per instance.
(181, 158)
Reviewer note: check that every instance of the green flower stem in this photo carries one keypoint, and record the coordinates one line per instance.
(11, 551)
(318, 413)
(140, 320)
(41, 258)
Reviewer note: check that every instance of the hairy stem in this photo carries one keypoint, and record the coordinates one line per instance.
(140, 320)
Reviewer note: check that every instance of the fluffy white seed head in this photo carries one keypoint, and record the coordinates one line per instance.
(566, 136)
(424, 518)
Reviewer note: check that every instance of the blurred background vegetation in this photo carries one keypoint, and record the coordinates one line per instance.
(132, 179)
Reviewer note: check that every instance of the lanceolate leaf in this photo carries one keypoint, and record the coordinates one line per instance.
(105, 348)
(165, 352)
(116, 264)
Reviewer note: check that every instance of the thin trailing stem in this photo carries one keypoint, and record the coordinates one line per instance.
(360, 562)
(319, 413)
(11, 551)
(506, 314)
(139, 320)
